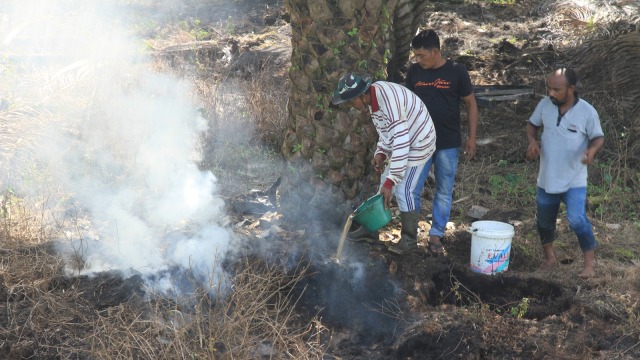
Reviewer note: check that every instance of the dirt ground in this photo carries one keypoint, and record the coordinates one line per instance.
(380, 305)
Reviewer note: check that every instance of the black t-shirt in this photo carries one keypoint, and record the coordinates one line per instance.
(441, 90)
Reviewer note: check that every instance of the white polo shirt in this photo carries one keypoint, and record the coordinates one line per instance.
(564, 144)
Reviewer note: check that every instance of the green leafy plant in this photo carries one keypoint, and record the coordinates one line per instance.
(520, 310)
(337, 47)
(387, 57)
(591, 24)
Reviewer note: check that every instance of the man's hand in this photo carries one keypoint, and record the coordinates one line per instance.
(533, 151)
(470, 149)
(588, 157)
(378, 162)
(386, 193)
(594, 146)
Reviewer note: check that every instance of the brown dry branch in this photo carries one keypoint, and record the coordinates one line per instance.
(271, 298)
(267, 96)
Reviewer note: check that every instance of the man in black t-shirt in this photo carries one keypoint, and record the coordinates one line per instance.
(441, 84)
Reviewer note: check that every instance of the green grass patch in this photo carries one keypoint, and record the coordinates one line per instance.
(513, 187)
(625, 254)
(611, 195)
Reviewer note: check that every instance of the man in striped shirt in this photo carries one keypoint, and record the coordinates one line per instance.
(407, 139)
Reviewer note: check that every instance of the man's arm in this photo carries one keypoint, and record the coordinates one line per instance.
(594, 146)
(472, 117)
(533, 151)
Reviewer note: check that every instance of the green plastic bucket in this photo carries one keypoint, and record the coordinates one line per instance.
(371, 214)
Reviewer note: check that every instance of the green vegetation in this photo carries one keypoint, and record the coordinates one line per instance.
(337, 48)
(520, 310)
(230, 26)
(610, 195)
(627, 254)
(512, 186)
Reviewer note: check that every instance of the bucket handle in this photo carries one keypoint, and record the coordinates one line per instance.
(472, 230)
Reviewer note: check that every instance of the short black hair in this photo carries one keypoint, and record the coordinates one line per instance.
(569, 74)
(426, 39)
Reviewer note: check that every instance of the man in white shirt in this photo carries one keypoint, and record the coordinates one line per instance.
(570, 139)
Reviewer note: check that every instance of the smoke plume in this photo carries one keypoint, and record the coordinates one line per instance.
(110, 144)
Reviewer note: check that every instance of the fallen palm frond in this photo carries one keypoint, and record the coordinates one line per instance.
(604, 70)
(595, 19)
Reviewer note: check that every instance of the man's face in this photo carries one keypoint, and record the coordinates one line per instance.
(426, 58)
(358, 104)
(558, 89)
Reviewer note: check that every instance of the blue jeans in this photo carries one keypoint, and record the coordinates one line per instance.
(445, 163)
(575, 200)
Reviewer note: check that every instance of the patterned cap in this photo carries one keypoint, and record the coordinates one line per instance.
(349, 87)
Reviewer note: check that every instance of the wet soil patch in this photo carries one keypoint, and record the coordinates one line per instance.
(358, 297)
(461, 287)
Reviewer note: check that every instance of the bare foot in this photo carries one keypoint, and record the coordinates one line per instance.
(435, 247)
(587, 270)
(587, 273)
(547, 265)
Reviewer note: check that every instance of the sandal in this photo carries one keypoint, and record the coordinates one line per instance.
(437, 249)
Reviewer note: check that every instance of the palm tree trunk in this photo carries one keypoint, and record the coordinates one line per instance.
(329, 149)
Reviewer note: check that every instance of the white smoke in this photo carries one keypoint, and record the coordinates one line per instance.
(120, 141)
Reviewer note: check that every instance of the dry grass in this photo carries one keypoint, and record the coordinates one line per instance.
(50, 315)
(268, 96)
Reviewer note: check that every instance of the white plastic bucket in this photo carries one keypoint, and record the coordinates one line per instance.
(490, 246)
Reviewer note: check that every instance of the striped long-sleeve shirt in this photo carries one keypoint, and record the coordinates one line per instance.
(407, 135)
